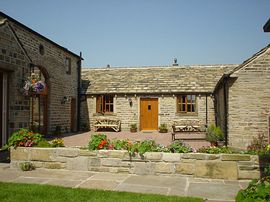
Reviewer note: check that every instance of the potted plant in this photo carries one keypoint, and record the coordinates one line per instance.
(163, 128)
(214, 134)
(133, 127)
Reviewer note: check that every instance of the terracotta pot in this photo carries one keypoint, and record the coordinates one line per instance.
(133, 130)
(214, 144)
(163, 130)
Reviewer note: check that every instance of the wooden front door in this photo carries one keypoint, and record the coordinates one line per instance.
(149, 114)
(73, 115)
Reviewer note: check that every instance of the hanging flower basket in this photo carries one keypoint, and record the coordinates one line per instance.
(34, 86)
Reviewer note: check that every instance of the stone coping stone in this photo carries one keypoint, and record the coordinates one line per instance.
(235, 157)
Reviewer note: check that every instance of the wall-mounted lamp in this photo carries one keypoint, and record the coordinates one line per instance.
(130, 102)
(64, 100)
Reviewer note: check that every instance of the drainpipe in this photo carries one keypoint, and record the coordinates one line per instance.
(206, 111)
(225, 93)
(79, 67)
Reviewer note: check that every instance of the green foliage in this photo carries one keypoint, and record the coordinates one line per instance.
(146, 146)
(33, 192)
(215, 150)
(258, 145)
(24, 138)
(161, 148)
(163, 128)
(133, 126)
(27, 166)
(257, 190)
(179, 147)
(214, 134)
(121, 144)
(43, 143)
(98, 141)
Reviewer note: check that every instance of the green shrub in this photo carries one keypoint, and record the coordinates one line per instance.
(43, 143)
(214, 134)
(146, 146)
(179, 147)
(121, 144)
(24, 138)
(258, 145)
(26, 166)
(215, 150)
(98, 141)
(257, 190)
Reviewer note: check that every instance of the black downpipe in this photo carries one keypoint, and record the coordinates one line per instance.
(225, 92)
(79, 67)
(206, 111)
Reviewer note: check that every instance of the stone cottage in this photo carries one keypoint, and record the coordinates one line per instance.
(243, 100)
(25, 53)
(150, 96)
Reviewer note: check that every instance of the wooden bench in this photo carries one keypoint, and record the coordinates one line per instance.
(107, 123)
(187, 125)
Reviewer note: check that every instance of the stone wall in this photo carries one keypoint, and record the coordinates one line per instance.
(131, 114)
(249, 102)
(14, 60)
(216, 166)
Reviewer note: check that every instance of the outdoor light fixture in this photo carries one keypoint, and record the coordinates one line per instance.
(64, 100)
(130, 102)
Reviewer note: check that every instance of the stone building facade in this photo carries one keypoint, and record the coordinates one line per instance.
(243, 100)
(24, 52)
(173, 93)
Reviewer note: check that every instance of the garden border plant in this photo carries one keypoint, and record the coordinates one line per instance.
(101, 142)
(27, 138)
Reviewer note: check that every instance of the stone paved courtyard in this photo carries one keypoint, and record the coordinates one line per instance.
(210, 190)
(82, 139)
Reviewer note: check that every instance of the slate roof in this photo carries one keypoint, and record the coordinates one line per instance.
(152, 80)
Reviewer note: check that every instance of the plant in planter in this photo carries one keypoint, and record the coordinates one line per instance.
(214, 134)
(163, 128)
(133, 127)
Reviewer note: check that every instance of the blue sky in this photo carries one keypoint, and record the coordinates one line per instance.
(149, 32)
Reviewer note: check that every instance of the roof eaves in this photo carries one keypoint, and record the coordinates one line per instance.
(255, 56)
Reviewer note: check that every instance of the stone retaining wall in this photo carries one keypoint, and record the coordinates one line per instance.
(216, 166)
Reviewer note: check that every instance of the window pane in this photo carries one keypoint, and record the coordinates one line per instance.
(111, 108)
(193, 108)
(189, 98)
(183, 99)
(183, 107)
(189, 108)
(107, 109)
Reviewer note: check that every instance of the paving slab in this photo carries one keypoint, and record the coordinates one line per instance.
(99, 184)
(208, 189)
(143, 189)
(64, 183)
(110, 176)
(31, 180)
(162, 181)
(9, 175)
(213, 191)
